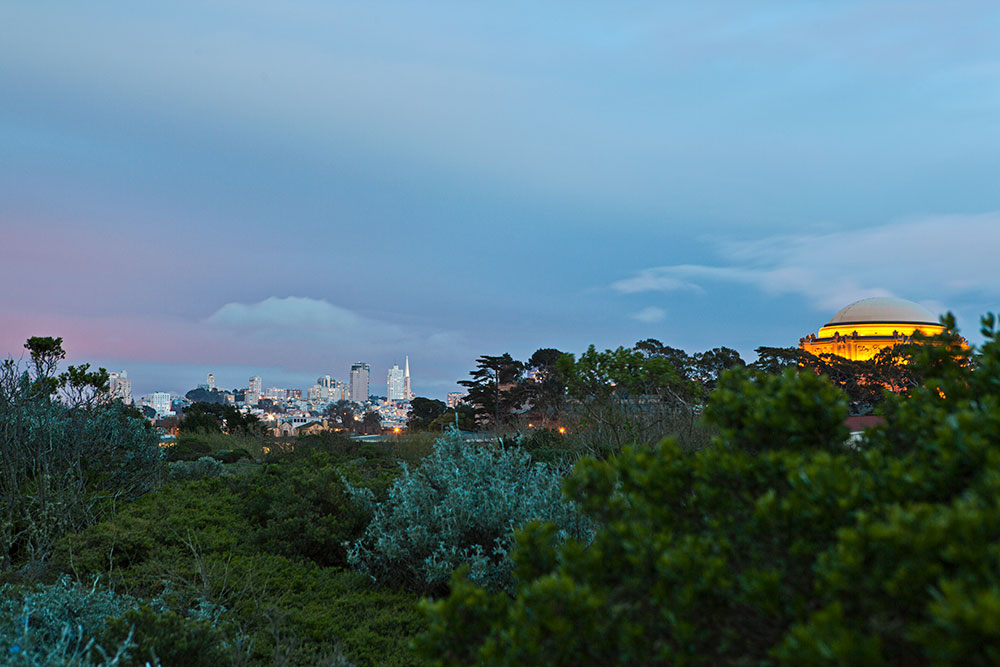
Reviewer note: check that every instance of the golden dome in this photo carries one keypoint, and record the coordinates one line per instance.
(859, 330)
(883, 309)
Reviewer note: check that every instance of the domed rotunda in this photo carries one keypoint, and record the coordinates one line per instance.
(858, 331)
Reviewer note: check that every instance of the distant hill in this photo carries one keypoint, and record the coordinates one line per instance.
(201, 395)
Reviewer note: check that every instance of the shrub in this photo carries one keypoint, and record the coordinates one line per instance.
(66, 458)
(794, 410)
(155, 536)
(232, 455)
(214, 542)
(60, 624)
(188, 448)
(460, 506)
(206, 466)
(168, 638)
(303, 510)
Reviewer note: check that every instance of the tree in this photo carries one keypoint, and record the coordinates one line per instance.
(544, 389)
(708, 365)
(494, 390)
(371, 422)
(423, 411)
(342, 411)
(628, 395)
(777, 359)
(462, 417)
(202, 418)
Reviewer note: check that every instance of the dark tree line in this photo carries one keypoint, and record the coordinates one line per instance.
(551, 385)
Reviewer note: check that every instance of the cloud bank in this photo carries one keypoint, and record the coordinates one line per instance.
(288, 312)
(933, 259)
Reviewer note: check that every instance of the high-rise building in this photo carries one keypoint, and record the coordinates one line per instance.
(407, 391)
(340, 391)
(394, 384)
(324, 381)
(210, 381)
(253, 392)
(160, 401)
(120, 387)
(360, 373)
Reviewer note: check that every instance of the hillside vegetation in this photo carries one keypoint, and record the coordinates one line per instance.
(754, 536)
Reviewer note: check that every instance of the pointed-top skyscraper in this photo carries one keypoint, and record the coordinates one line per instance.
(407, 394)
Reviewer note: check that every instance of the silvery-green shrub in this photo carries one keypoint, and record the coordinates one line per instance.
(460, 506)
(201, 468)
(57, 625)
(64, 464)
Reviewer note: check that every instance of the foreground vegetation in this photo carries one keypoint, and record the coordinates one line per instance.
(754, 536)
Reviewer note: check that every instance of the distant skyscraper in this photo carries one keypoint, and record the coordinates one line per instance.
(394, 384)
(120, 387)
(160, 401)
(252, 396)
(210, 381)
(407, 392)
(359, 382)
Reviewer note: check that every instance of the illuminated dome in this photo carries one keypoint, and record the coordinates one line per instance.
(859, 330)
(883, 309)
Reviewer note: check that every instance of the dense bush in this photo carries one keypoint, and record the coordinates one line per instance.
(68, 455)
(206, 466)
(168, 638)
(252, 544)
(792, 410)
(304, 511)
(461, 505)
(774, 545)
(60, 624)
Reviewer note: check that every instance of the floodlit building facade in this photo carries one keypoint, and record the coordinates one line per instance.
(860, 330)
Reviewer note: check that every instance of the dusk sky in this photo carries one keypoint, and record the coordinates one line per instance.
(284, 188)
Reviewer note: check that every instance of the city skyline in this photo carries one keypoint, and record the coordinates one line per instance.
(245, 191)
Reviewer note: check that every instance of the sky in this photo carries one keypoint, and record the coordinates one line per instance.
(285, 188)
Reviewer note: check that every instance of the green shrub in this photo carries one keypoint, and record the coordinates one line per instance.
(232, 455)
(156, 535)
(303, 511)
(252, 547)
(460, 506)
(168, 638)
(794, 410)
(228, 448)
(188, 448)
(337, 445)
